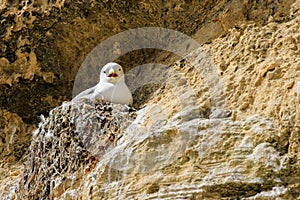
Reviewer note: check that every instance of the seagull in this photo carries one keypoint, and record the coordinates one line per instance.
(111, 87)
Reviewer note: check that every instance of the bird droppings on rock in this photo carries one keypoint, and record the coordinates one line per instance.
(69, 142)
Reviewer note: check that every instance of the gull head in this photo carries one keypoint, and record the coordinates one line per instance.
(112, 73)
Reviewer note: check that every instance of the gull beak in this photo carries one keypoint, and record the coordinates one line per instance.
(112, 73)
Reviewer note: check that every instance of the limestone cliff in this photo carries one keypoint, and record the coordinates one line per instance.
(188, 141)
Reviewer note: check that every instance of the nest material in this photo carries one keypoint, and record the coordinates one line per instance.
(73, 136)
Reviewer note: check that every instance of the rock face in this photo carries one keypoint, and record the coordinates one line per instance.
(43, 44)
(223, 123)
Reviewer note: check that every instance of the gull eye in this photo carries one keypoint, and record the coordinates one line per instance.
(120, 69)
(104, 72)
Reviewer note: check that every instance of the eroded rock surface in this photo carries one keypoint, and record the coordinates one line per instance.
(223, 122)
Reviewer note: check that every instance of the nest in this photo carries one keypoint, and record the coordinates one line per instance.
(68, 141)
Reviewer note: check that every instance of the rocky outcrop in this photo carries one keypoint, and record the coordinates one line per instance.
(230, 135)
(187, 156)
(43, 44)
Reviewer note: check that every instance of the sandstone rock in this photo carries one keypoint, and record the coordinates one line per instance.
(13, 142)
(222, 123)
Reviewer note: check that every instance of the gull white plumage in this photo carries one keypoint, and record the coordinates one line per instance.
(111, 87)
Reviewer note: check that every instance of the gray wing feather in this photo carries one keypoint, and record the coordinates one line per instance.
(85, 94)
